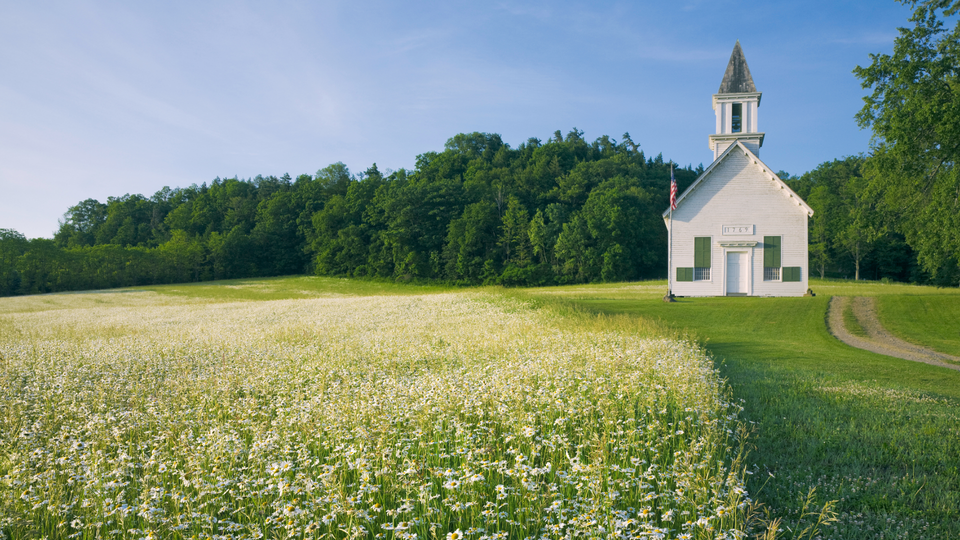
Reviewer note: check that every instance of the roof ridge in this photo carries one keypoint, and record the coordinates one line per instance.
(757, 162)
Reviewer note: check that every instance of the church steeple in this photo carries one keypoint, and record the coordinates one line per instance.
(735, 105)
(737, 78)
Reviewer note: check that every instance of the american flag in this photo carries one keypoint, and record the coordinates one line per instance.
(673, 190)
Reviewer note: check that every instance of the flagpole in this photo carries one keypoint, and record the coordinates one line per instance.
(669, 296)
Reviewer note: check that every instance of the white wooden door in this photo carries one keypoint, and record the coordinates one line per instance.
(736, 272)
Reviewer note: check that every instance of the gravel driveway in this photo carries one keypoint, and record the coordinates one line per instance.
(878, 339)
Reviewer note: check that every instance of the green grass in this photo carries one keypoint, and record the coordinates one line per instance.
(930, 320)
(851, 322)
(845, 287)
(282, 288)
(234, 290)
(880, 435)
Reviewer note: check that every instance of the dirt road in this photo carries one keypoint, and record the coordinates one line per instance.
(878, 339)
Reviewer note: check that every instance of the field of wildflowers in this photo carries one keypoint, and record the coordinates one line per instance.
(444, 416)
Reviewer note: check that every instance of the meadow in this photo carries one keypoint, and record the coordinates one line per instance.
(323, 408)
(879, 435)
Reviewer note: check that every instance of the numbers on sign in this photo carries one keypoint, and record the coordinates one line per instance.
(737, 229)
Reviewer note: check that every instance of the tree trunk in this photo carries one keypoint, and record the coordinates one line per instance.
(856, 261)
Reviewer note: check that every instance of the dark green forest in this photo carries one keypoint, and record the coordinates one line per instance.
(564, 211)
(479, 212)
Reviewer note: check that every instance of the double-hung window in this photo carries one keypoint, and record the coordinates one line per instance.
(771, 258)
(773, 269)
(701, 262)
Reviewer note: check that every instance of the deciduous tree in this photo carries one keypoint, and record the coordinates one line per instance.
(914, 112)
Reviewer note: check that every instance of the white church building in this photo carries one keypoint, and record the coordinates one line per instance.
(738, 230)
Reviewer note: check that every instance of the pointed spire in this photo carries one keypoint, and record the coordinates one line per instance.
(737, 79)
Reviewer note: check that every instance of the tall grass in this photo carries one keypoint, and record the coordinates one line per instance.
(445, 416)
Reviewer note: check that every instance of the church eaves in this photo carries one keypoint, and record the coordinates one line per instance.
(737, 79)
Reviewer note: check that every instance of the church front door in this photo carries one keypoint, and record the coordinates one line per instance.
(736, 273)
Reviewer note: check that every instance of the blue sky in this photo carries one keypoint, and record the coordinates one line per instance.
(100, 99)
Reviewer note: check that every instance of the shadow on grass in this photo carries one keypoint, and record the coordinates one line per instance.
(873, 449)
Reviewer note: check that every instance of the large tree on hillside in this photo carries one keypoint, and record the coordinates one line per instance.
(80, 224)
(914, 111)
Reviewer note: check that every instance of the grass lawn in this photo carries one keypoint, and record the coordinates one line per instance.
(929, 320)
(880, 435)
(233, 290)
(282, 288)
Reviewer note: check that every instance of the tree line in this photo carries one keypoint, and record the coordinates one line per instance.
(847, 237)
(479, 212)
(561, 211)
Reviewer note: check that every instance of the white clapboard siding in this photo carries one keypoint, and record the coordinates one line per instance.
(739, 189)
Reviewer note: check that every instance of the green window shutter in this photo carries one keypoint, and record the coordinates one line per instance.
(771, 252)
(684, 274)
(792, 273)
(701, 252)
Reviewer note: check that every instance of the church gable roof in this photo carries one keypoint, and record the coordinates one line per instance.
(753, 160)
(737, 78)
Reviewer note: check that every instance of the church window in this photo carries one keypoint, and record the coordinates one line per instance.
(736, 117)
(771, 258)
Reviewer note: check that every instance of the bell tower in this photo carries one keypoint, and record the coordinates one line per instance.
(735, 105)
